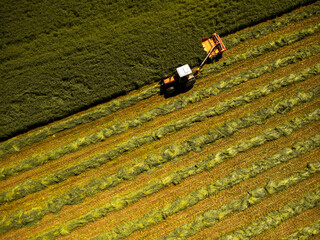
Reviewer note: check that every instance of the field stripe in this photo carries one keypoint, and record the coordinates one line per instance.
(168, 154)
(32, 186)
(306, 232)
(195, 96)
(17, 143)
(22, 218)
(235, 177)
(275, 218)
(255, 196)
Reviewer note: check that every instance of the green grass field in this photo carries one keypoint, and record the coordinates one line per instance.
(59, 58)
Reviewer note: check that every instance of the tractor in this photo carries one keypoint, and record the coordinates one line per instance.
(184, 77)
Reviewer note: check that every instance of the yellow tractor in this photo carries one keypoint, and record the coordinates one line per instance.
(184, 77)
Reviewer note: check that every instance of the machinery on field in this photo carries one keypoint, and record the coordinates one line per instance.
(184, 77)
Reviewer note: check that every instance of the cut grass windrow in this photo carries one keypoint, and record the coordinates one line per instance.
(182, 149)
(211, 216)
(21, 218)
(275, 218)
(175, 105)
(17, 143)
(193, 144)
(268, 47)
(306, 232)
(156, 216)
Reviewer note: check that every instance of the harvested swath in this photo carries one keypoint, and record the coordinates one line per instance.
(306, 232)
(175, 105)
(17, 143)
(169, 153)
(275, 218)
(76, 195)
(209, 163)
(234, 178)
(211, 216)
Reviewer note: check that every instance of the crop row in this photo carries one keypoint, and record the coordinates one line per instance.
(275, 218)
(182, 149)
(16, 144)
(175, 105)
(193, 144)
(306, 232)
(211, 216)
(76, 195)
(156, 216)
(268, 47)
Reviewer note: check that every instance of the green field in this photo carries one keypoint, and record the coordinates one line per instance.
(235, 157)
(59, 58)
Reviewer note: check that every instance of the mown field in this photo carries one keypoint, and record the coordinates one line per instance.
(236, 157)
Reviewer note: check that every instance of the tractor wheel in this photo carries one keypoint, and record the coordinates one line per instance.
(190, 83)
(170, 90)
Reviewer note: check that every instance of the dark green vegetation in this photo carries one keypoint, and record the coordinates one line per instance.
(60, 57)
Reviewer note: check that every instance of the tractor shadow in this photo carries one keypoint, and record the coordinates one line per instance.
(177, 92)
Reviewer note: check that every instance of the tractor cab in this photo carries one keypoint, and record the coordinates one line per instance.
(182, 78)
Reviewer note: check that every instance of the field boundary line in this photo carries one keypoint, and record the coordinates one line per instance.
(17, 143)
